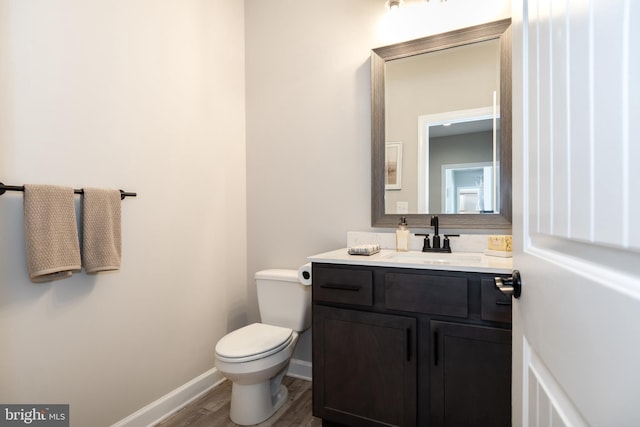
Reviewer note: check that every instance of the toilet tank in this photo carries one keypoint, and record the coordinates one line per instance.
(283, 300)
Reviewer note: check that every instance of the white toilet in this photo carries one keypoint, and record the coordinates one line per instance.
(256, 357)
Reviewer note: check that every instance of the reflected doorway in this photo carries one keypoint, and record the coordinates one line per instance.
(468, 188)
(466, 137)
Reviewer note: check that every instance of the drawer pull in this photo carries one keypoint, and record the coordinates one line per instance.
(340, 287)
(408, 344)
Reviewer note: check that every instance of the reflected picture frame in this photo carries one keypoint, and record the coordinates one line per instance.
(393, 166)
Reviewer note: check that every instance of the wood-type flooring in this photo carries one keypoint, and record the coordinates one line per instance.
(212, 409)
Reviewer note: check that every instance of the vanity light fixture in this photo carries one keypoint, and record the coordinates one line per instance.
(393, 5)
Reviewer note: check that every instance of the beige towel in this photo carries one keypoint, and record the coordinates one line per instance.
(101, 241)
(51, 233)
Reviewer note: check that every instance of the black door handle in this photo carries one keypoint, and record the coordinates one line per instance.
(510, 286)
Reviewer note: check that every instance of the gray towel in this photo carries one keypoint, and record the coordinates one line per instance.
(101, 240)
(51, 233)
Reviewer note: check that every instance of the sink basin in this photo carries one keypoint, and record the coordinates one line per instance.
(441, 258)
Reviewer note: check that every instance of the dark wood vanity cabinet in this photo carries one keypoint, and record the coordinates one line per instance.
(406, 347)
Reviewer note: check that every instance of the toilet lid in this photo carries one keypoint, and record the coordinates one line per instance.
(257, 340)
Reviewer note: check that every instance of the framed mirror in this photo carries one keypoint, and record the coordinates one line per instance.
(441, 129)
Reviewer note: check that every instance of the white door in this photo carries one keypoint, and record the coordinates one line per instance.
(576, 194)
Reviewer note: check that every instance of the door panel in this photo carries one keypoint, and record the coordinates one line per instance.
(580, 125)
(577, 323)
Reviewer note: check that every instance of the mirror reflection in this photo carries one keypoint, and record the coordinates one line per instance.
(463, 168)
(442, 131)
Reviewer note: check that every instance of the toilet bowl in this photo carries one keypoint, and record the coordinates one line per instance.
(255, 358)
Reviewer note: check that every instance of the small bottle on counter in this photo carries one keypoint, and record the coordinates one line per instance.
(402, 235)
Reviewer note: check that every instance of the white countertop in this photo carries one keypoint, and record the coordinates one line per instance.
(460, 261)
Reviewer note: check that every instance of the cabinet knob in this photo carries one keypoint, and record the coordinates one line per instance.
(510, 286)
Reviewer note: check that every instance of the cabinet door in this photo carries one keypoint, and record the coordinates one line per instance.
(364, 367)
(470, 375)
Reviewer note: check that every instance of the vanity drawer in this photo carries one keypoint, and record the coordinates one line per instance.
(495, 306)
(343, 286)
(428, 294)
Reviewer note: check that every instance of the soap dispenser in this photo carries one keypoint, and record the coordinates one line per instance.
(402, 235)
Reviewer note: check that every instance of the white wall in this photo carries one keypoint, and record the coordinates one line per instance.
(147, 96)
(308, 117)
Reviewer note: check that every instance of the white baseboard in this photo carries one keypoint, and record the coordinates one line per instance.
(175, 400)
(300, 369)
(172, 402)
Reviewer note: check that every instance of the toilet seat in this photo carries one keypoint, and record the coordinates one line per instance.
(253, 342)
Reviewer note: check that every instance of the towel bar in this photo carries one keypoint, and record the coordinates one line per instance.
(4, 188)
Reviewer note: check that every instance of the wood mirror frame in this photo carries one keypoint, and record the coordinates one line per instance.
(498, 29)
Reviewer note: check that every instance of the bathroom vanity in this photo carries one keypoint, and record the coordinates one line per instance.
(406, 339)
